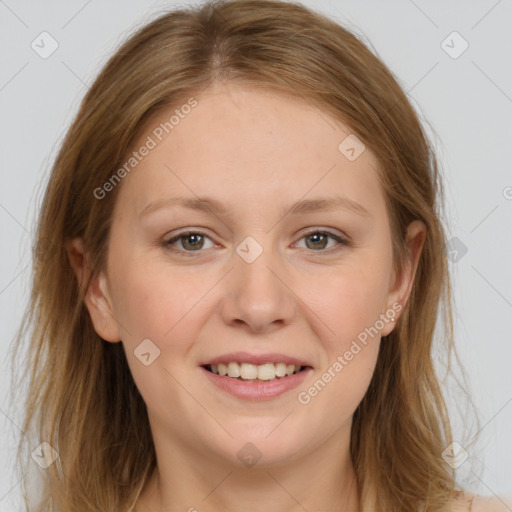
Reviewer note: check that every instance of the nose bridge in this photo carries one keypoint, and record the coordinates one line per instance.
(254, 260)
(257, 294)
(256, 256)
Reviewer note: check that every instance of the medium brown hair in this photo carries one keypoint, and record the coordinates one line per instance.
(82, 399)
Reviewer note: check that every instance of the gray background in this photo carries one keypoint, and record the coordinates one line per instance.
(466, 104)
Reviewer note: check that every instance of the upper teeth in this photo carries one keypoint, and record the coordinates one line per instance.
(248, 371)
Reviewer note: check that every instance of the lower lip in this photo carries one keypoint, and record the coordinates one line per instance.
(257, 389)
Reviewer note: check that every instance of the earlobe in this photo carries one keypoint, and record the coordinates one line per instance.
(96, 298)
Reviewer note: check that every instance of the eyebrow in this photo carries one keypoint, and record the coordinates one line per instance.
(209, 204)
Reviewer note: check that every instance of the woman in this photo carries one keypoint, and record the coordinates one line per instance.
(246, 265)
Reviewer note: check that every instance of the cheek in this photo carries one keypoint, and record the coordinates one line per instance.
(153, 306)
(352, 307)
(341, 386)
(354, 299)
(355, 319)
(151, 297)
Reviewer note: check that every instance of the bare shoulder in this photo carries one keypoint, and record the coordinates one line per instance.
(469, 502)
(492, 504)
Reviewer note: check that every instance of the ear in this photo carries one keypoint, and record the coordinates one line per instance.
(97, 298)
(401, 283)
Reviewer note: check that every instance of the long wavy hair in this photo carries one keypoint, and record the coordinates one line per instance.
(82, 399)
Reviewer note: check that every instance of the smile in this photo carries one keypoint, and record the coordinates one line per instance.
(254, 388)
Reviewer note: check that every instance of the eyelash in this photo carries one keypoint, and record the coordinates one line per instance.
(168, 243)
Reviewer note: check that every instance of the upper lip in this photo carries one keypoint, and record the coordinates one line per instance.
(256, 359)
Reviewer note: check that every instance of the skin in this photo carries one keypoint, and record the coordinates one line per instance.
(257, 152)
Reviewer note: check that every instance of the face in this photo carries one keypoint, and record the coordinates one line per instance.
(267, 270)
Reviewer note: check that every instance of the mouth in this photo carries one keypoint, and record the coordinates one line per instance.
(255, 377)
(256, 382)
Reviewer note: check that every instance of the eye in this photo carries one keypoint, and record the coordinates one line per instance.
(191, 241)
(318, 239)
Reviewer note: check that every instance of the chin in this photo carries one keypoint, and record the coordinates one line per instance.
(262, 450)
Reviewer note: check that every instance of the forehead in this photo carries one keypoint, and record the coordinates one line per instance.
(249, 146)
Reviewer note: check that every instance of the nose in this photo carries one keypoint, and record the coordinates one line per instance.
(257, 295)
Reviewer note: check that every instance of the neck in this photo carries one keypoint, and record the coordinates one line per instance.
(188, 481)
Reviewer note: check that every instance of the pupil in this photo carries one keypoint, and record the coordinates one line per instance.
(316, 235)
(193, 236)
